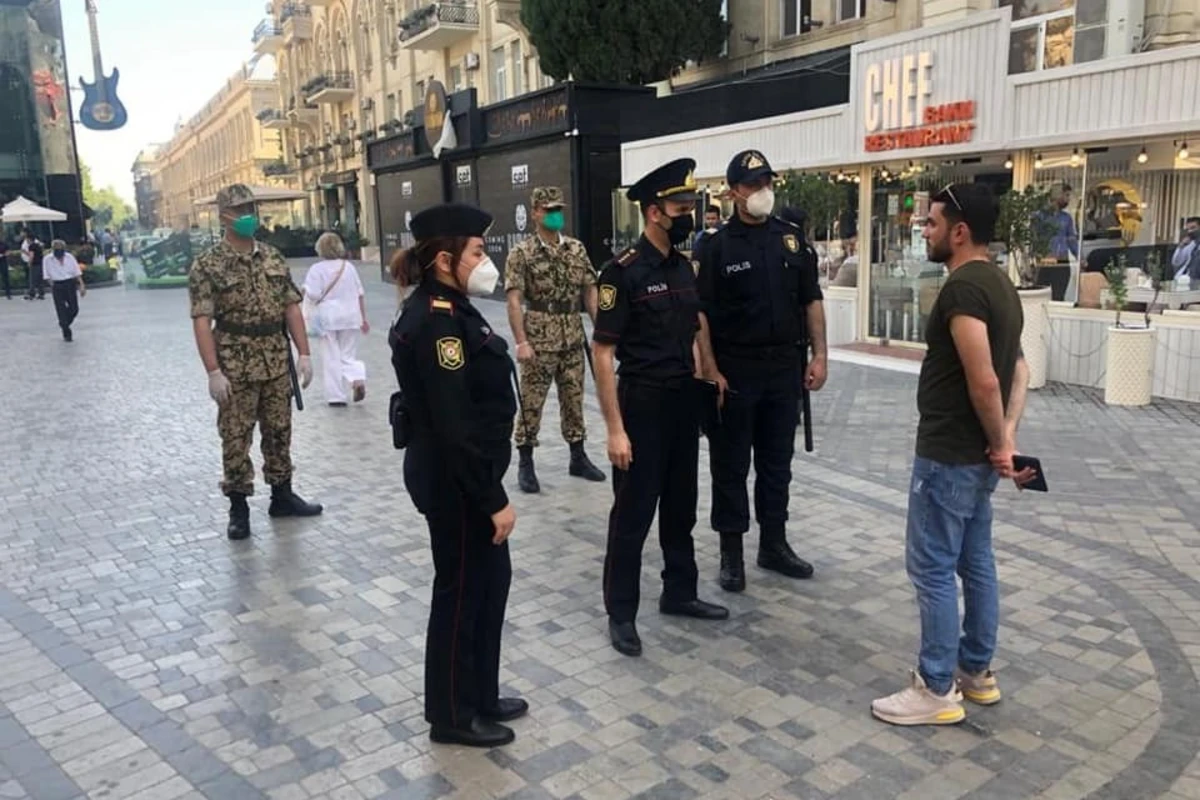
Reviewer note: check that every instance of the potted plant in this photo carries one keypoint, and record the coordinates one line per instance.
(1129, 367)
(1026, 234)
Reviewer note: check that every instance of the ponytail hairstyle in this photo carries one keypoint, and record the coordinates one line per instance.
(408, 266)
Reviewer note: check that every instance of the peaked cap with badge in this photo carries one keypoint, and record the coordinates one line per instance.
(450, 219)
(675, 180)
(746, 166)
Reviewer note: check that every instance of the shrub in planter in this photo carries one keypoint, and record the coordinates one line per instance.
(1129, 362)
(1026, 235)
(98, 273)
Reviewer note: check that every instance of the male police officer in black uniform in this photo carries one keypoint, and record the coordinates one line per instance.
(647, 319)
(760, 303)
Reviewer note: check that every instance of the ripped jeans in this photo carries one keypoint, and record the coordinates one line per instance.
(949, 532)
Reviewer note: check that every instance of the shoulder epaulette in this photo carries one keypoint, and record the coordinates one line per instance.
(628, 257)
(441, 306)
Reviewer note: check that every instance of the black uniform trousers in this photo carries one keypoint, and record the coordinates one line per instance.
(470, 595)
(66, 301)
(663, 426)
(761, 413)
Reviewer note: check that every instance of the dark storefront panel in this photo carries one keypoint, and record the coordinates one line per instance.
(464, 182)
(505, 181)
(400, 196)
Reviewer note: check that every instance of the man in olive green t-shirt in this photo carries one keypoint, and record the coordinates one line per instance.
(970, 396)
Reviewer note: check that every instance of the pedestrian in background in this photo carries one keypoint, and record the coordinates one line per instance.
(648, 314)
(33, 252)
(4, 268)
(337, 301)
(459, 405)
(66, 285)
(244, 307)
(970, 396)
(547, 272)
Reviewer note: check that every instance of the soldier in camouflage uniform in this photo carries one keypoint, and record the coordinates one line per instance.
(244, 304)
(547, 272)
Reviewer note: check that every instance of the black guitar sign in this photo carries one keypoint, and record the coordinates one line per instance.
(102, 109)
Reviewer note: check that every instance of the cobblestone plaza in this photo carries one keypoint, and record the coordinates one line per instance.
(145, 656)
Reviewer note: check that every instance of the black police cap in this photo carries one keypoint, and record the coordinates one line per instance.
(746, 166)
(450, 219)
(673, 181)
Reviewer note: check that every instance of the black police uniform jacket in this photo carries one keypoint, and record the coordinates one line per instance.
(755, 284)
(454, 373)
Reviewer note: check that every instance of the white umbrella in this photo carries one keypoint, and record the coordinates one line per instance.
(25, 210)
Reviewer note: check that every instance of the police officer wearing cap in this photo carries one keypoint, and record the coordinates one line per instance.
(647, 319)
(456, 404)
(761, 303)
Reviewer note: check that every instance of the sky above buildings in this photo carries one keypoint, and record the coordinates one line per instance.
(173, 56)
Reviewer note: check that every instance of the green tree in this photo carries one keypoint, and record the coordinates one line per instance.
(109, 209)
(622, 41)
(823, 200)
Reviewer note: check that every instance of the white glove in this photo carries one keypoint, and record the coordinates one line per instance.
(304, 367)
(218, 386)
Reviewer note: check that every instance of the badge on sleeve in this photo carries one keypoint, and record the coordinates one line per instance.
(608, 297)
(450, 352)
(791, 243)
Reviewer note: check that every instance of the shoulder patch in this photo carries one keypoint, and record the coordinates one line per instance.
(444, 306)
(450, 352)
(791, 243)
(627, 257)
(607, 297)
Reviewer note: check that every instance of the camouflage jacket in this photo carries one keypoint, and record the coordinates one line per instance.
(245, 290)
(551, 276)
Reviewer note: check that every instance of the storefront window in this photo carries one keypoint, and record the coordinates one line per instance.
(903, 283)
(1056, 33)
(829, 201)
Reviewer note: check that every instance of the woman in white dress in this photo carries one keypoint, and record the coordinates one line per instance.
(334, 293)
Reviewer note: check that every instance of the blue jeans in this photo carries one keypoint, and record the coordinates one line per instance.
(949, 531)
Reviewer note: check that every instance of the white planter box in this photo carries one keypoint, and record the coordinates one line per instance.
(1033, 335)
(1129, 378)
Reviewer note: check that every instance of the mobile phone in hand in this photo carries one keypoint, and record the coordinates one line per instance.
(1038, 484)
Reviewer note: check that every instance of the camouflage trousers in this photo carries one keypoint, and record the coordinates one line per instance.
(269, 404)
(564, 368)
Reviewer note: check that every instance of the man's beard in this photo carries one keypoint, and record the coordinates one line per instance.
(938, 252)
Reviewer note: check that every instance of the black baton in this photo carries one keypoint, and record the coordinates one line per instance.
(587, 353)
(805, 400)
(292, 372)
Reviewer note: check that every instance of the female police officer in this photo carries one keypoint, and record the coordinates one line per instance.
(454, 378)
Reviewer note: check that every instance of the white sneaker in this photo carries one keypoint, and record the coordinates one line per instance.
(917, 705)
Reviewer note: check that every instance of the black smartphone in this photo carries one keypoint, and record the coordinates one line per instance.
(1038, 484)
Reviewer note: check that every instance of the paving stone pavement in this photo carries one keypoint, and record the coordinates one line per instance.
(147, 657)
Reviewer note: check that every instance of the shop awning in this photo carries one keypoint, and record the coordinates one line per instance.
(262, 194)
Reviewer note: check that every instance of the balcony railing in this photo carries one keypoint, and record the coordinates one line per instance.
(267, 36)
(269, 115)
(439, 25)
(276, 168)
(330, 87)
(290, 10)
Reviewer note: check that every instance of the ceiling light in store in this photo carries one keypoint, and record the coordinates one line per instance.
(1075, 157)
(1037, 161)
(1143, 156)
(1183, 151)
(1008, 162)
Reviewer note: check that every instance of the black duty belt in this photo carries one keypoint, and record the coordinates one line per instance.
(268, 329)
(552, 308)
(760, 352)
(672, 383)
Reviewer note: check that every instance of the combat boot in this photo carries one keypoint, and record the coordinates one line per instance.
(526, 477)
(582, 466)
(286, 503)
(239, 518)
(775, 554)
(733, 569)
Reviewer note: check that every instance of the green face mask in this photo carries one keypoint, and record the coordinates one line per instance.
(554, 220)
(245, 225)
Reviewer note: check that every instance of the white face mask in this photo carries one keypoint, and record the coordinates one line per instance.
(761, 203)
(483, 279)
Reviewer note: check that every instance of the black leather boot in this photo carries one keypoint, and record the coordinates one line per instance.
(526, 477)
(582, 466)
(286, 503)
(733, 568)
(478, 733)
(775, 554)
(239, 518)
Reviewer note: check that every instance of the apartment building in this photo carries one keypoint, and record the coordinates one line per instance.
(350, 71)
(223, 143)
(146, 190)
